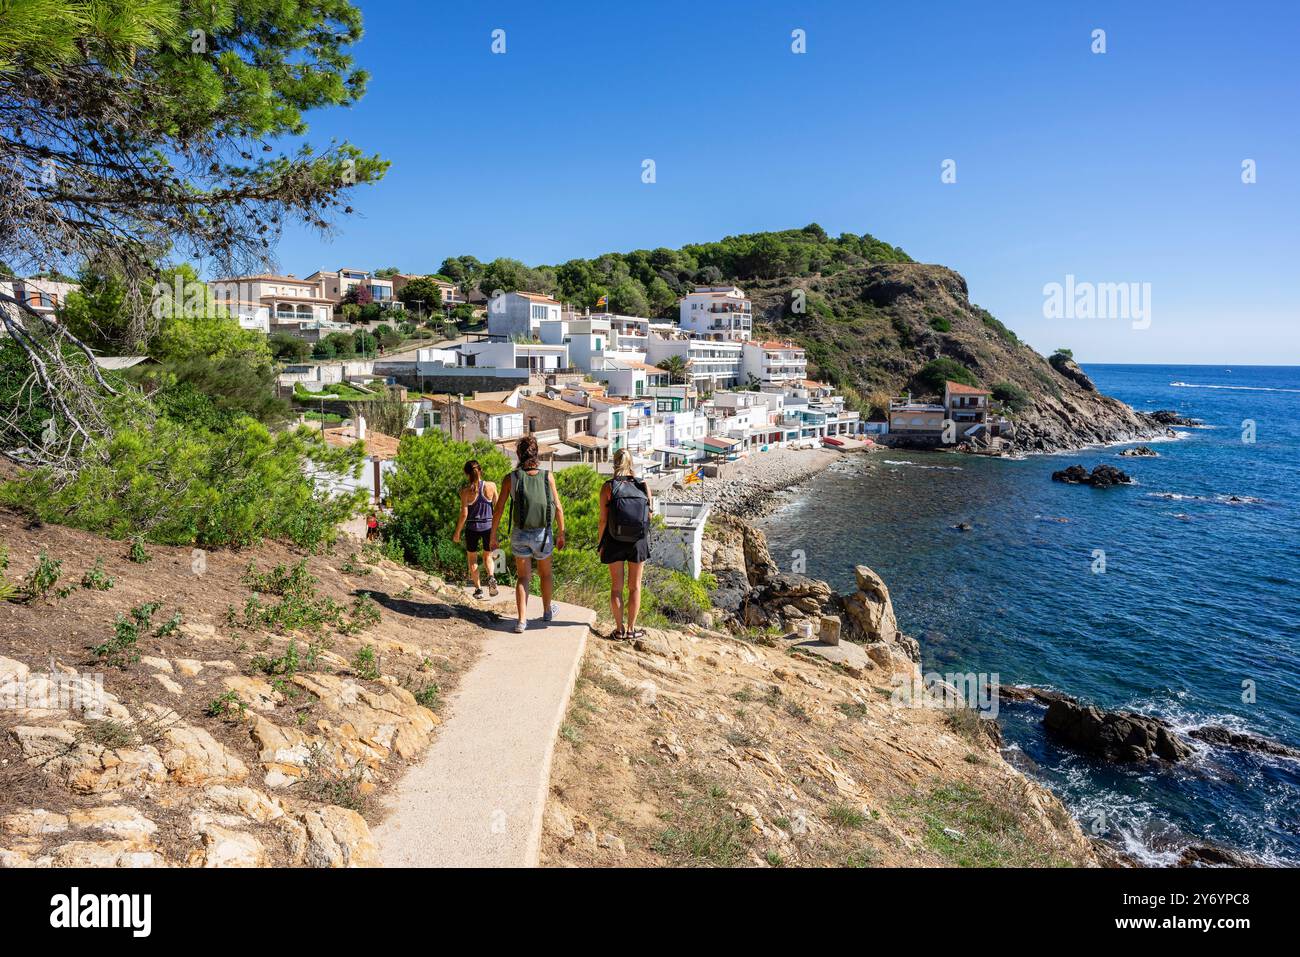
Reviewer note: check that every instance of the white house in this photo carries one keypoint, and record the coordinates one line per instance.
(774, 363)
(519, 315)
(630, 378)
(710, 364)
(717, 312)
(589, 339)
(471, 419)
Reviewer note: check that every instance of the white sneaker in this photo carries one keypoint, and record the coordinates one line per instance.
(520, 627)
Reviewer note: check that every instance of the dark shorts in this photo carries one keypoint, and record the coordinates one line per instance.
(612, 550)
(476, 541)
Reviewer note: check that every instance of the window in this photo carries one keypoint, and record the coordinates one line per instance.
(618, 420)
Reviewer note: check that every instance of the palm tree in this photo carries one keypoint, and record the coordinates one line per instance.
(675, 366)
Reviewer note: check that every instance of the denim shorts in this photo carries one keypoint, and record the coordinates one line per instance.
(532, 543)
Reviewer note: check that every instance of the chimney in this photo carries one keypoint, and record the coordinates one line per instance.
(361, 427)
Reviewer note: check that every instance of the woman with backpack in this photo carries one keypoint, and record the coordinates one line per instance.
(536, 526)
(476, 500)
(624, 541)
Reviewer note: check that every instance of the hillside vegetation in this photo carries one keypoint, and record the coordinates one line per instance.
(874, 322)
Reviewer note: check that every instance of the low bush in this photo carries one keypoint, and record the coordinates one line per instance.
(1012, 396)
(174, 485)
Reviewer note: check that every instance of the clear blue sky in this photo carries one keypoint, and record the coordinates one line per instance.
(1119, 167)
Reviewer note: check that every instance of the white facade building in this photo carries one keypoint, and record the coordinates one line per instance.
(717, 312)
(774, 363)
(519, 315)
(710, 363)
(589, 339)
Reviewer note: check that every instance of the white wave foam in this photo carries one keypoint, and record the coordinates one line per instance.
(917, 465)
(1223, 498)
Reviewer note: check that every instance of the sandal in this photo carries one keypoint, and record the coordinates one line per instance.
(616, 634)
(636, 634)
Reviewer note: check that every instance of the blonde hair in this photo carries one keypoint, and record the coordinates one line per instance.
(622, 462)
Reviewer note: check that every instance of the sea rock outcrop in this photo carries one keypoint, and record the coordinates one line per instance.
(1170, 417)
(1225, 737)
(1140, 452)
(1102, 476)
(1067, 367)
(1114, 735)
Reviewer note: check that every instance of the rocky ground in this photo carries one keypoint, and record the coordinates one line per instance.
(701, 748)
(786, 741)
(244, 721)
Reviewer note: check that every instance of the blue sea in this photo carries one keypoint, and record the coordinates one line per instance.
(1195, 617)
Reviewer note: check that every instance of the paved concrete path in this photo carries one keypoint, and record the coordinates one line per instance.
(476, 798)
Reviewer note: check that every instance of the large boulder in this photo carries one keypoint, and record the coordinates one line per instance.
(1114, 735)
(869, 610)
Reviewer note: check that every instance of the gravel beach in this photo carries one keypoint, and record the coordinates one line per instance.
(754, 486)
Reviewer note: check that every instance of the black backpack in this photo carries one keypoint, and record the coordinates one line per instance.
(629, 510)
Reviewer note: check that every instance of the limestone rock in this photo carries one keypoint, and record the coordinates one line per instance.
(558, 821)
(84, 766)
(190, 754)
(243, 800)
(337, 837)
(253, 692)
(105, 854)
(33, 823)
(158, 664)
(169, 685)
(124, 823)
(226, 847)
(189, 667)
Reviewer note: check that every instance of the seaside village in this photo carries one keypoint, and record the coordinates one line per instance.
(685, 397)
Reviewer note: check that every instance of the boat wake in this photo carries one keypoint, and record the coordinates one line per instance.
(1233, 388)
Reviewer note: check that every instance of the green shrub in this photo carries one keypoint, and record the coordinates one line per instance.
(1012, 396)
(137, 552)
(40, 581)
(8, 590)
(96, 579)
(940, 324)
(672, 596)
(930, 380)
(121, 649)
(179, 485)
(366, 664)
